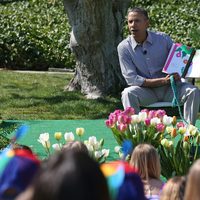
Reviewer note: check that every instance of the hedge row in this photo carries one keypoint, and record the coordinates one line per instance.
(178, 18)
(34, 34)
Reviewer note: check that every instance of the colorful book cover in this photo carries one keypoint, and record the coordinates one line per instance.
(179, 59)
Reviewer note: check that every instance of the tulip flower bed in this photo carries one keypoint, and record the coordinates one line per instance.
(95, 147)
(176, 142)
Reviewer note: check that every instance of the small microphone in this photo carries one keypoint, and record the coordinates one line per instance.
(145, 52)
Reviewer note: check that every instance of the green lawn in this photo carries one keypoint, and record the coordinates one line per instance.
(31, 96)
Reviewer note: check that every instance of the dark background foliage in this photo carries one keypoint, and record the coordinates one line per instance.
(34, 34)
(178, 18)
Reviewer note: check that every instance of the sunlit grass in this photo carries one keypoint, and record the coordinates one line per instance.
(33, 96)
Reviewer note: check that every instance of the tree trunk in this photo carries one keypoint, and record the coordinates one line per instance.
(96, 31)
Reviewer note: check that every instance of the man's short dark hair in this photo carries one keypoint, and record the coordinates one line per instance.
(139, 10)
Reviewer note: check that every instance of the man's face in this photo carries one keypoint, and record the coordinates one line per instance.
(137, 23)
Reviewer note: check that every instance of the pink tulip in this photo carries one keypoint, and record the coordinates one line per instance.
(145, 110)
(180, 124)
(128, 120)
(147, 121)
(160, 113)
(109, 123)
(113, 117)
(117, 112)
(122, 118)
(152, 114)
(122, 127)
(125, 119)
(160, 127)
(129, 111)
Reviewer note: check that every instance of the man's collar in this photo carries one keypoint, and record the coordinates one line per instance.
(134, 43)
(149, 38)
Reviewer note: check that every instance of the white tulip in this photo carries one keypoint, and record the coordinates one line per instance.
(117, 149)
(97, 154)
(105, 152)
(89, 147)
(44, 137)
(44, 140)
(97, 145)
(182, 130)
(135, 119)
(142, 116)
(69, 137)
(169, 129)
(192, 129)
(92, 140)
(167, 120)
(155, 121)
(56, 147)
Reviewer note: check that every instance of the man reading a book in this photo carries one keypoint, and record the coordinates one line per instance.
(142, 56)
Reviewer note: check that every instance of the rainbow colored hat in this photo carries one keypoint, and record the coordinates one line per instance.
(17, 169)
(123, 181)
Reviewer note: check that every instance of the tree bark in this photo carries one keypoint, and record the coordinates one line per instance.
(97, 27)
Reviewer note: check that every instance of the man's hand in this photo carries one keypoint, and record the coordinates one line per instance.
(161, 81)
(176, 76)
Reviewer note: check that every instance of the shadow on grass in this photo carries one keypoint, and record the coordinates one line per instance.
(69, 105)
(90, 109)
(64, 97)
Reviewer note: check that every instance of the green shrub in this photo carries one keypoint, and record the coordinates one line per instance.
(174, 17)
(6, 128)
(34, 35)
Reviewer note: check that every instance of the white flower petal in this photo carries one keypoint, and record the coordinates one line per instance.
(69, 137)
(117, 149)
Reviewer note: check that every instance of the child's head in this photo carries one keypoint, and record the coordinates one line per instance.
(76, 146)
(21, 146)
(145, 158)
(173, 189)
(192, 190)
(70, 175)
(17, 169)
(123, 181)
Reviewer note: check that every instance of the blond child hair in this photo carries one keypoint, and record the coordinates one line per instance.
(145, 158)
(173, 189)
(192, 191)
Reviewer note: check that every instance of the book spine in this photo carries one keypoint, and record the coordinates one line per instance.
(188, 63)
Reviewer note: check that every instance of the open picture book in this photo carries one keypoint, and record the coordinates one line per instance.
(183, 60)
